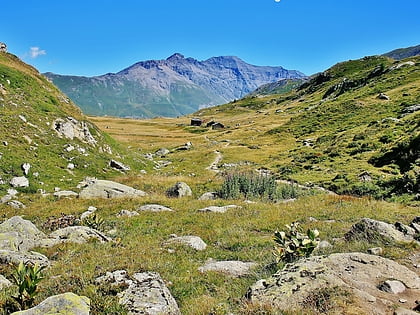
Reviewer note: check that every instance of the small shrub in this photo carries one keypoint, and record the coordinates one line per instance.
(94, 221)
(293, 244)
(27, 277)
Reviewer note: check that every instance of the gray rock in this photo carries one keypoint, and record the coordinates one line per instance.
(21, 181)
(192, 241)
(15, 257)
(65, 194)
(411, 109)
(392, 286)
(16, 204)
(26, 167)
(12, 192)
(324, 244)
(212, 195)
(179, 190)
(118, 166)
(404, 311)
(373, 231)
(116, 277)
(78, 234)
(66, 303)
(3, 47)
(23, 227)
(358, 273)
(162, 152)
(127, 213)
(153, 208)
(148, 294)
(231, 267)
(70, 128)
(70, 166)
(6, 198)
(4, 283)
(375, 251)
(217, 209)
(95, 188)
(383, 96)
(91, 210)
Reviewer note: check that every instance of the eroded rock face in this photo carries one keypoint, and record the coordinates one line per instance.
(146, 293)
(66, 303)
(359, 273)
(231, 267)
(96, 188)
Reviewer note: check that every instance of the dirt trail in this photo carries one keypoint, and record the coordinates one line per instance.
(214, 165)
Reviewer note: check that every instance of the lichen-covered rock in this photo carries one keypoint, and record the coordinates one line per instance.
(230, 267)
(66, 304)
(71, 128)
(95, 188)
(179, 190)
(20, 181)
(78, 234)
(192, 241)
(359, 273)
(154, 208)
(15, 257)
(148, 294)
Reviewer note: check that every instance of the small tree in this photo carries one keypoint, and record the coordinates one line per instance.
(27, 277)
(293, 244)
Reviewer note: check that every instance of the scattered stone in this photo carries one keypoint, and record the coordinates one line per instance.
(12, 192)
(6, 198)
(26, 167)
(218, 209)
(358, 273)
(78, 234)
(66, 303)
(91, 210)
(375, 251)
(4, 283)
(127, 213)
(324, 244)
(116, 277)
(65, 194)
(312, 219)
(95, 188)
(411, 109)
(21, 181)
(383, 96)
(153, 208)
(16, 204)
(5, 143)
(232, 268)
(69, 148)
(209, 196)
(118, 166)
(179, 190)
(192, 241)
(373, 231)
(70, 128)
(70, 166)
(162, 152)
(23, 118)
(402, 301)
(392, 286)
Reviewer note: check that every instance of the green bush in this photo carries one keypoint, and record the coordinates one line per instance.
(27, 277)
(94, 221)
(293, 244)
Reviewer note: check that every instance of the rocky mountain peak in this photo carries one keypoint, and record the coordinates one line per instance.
(175, 56)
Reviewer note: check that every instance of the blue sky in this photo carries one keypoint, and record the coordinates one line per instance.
(93, 37)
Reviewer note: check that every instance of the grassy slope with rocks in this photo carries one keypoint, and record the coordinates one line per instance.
(254, 139)
(29, 106)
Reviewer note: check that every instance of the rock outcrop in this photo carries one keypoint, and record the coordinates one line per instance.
(218, 209)
(66, 303)
(71, 128)
(361, 274)
(96, 188)
(146, 293)
(230, 267)
(154, 208)
(78, 234)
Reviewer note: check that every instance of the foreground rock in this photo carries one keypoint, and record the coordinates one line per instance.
(66, 303)
(78, 234)
(231, 267)
(194, 242)
(361, 274)
(377, 231)
(179, 190)
(217, 209)
(96, 188)
(146, 293)
(15, 257)
(153, 208)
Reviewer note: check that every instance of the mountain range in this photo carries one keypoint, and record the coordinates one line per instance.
(171, 87)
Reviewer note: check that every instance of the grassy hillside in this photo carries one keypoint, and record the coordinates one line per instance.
(30, 108)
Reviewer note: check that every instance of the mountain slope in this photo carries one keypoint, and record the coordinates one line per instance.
(171, 87)
(403, 53)
(279, 87)
(42, 127)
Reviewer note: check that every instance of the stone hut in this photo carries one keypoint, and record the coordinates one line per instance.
(217, 125)
(196, 122)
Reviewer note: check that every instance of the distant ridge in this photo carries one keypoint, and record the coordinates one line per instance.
(402, 53)
(170, 87)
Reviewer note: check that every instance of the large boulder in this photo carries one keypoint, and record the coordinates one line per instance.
(15, 257)
(358, 273)
(377, 231)
(71, 128)
(66, 304)
(230, 267)
(20, 181)
(179, 190)
(96, 188)
(78, 234)
(146, 293)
